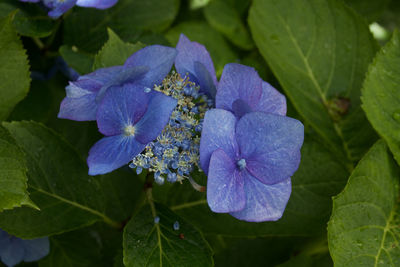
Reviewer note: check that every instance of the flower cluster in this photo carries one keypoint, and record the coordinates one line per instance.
(165, 121)
(175, 152)
(249, 148)
(58, 7)
(14, 250)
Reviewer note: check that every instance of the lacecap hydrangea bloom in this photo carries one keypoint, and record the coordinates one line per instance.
(249, 149)
(58, 7)
(164, 121)
(14, 250)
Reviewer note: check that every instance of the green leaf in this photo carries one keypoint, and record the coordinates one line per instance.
(255, 252)
(114, 52)
(86, 28)
(319, 177)
(364, 227)
(58, 183)
(225, 19)
(370, 9)
(14, 70)
(150, 244)
(73, 249)
(319, 50)
(123, 192)
(302, 260)
(30, 20)
(80, 61)
(381, 94)
(13, 179)
(198, 31)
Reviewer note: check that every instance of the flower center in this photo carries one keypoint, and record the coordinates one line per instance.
(241, 164)
(129, 130)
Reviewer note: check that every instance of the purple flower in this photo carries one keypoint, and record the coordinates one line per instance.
(14, 250)
(130, 117)
(145, 68)
(194, 59)
(59, 7)
(241, 90)
(249, 162)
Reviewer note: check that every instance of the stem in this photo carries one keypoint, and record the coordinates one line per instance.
(200, 188)
(112, 223)
(316, 247)
(38, 42)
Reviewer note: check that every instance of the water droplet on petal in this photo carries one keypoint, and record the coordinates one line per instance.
(147, 90)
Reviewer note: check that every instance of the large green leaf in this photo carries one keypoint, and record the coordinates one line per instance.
(364, 227)
(381, 94)
(319, 50)
(370, 9)
(86, 28)
(114, 52)
(199, 31)
(30, 20)
(58, 183)
(318, 178)
(157, 244)
(14, 68)
(74, 249)
(225, 19)
(13, 179)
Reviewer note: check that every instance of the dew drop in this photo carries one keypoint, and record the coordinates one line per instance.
(396, 115)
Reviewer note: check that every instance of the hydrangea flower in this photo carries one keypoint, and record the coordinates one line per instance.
(193, 59)
(59, 7)
(249, 162)
(145, 68)
(14, 250)
(130, 116)
(175, 152)
(241, 90)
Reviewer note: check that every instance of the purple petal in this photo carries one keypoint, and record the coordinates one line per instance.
(111, 153)
(271, 101)
(238, 82)
(218, 132)
(57, 9)
(263, 202)
(125, 75)
(121, 107)
(158, 58)
(36, 249)
(100, 4)
(156, 117)
(225, 184)
(101, 76)
(240, 107)
(270, 144)
(189, 53)
(205, 80)
(13, 253)
(79, 108)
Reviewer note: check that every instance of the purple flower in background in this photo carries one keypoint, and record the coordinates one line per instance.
(59, 7)
(130, 117)
(249, 162)
(241, 90)
(145, 68)
(194, 59)
(14, 250)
